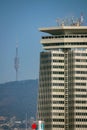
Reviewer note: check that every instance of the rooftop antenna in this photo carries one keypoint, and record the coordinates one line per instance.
(72, 20)
(16, 61)
(58, 22)
(81, 19)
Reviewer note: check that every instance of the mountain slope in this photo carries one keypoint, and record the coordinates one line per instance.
(18, 98)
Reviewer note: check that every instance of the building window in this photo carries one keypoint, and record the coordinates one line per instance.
(58, 120)
(58, 96)
(58, 126)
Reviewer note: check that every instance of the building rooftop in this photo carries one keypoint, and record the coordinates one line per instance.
(59, 30)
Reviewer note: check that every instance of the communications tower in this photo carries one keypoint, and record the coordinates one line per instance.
(16, 62)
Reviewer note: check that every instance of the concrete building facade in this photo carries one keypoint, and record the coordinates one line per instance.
(62, 96)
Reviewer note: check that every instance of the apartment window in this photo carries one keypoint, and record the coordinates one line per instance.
(58, 78)
(81, 96)
(80, 90)
(58, 108)
(58, 84)
(58, 126)
(78, 119)
(45, 61)
(58, 90)
(77, 54)
(45, 56)
(64, 36)
(48, 126)
(58, 96)
(81, 66)
(61, 61)
(83, 54)
(45, 67)
(81, 114)
(80, 84)
(77, 60)
(53, 44)
(58, 120)
(83, 108)
(58, 102)
(58, 114)
(56, 66)
(81, 72)
(58, 72)
(81, 126)
(60, 55)
(82, 102)
(80, 60)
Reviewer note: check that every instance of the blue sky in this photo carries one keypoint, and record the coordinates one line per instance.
(19, 21)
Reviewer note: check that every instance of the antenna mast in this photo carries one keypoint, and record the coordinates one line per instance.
(71, 22)
(16, 62)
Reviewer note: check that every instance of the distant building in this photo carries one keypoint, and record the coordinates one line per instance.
(2, 120)
(62, 98)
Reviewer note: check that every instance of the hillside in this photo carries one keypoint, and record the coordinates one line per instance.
(18, 98)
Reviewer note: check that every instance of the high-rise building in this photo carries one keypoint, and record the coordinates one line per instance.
(62, 96)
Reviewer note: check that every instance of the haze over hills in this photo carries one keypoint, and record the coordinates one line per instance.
(18, 98)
